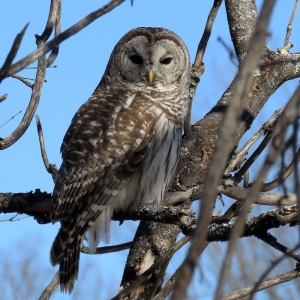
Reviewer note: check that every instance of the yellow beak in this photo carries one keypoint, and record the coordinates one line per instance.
(150, 76)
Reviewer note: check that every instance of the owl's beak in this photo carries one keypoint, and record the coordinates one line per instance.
(150, 76)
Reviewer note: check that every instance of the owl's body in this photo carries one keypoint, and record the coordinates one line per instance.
(122, 146)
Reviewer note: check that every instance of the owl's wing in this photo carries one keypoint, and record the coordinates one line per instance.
(107, 138)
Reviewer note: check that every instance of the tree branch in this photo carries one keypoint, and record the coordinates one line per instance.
(262, 286)
(33, 104)
(51, 168)
(290, 25)
(12, 53)
(33, 56)
(224, 146)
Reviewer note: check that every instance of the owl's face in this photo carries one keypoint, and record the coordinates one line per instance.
(148, 58)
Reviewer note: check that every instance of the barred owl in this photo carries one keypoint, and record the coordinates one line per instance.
(123, 143)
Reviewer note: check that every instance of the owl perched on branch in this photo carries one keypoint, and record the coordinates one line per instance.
(122, 146)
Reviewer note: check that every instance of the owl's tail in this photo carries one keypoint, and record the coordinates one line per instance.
(67, 256)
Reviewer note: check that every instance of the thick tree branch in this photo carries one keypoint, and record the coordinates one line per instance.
(242, 16)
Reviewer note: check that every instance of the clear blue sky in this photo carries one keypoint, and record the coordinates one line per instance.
(80, 65)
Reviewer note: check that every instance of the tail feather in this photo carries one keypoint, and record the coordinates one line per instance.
(68, 269)
(67, 256)
(66, 247)
(59, 247)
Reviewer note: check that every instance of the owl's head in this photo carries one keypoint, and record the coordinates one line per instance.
(148, 58)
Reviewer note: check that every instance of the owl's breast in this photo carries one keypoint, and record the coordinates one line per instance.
(149, 182)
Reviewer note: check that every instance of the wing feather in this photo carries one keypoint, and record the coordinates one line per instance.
(101, 150)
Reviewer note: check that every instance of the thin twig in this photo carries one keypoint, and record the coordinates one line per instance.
(51, 168)
(206, 34)
(50, 289)
(269, 269)
(283, 175)
(108, 249)
(198, 66)
(22, 79)
(239, 157)
(272, 241)
(231, 53)
(33, 56)
(10, 119)
(12, 53)
(262, 146)
(262, 286)
(55, 20)
(290, 25)
(271, 199)
(2, 98)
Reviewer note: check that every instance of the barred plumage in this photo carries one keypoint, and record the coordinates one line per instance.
(122, 146)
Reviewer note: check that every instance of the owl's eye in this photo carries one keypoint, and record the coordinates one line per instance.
(136, 59)
(166, 61)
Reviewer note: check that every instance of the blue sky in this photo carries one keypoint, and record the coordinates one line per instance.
(80, 65)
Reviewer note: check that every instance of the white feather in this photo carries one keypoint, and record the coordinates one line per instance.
(100, 231)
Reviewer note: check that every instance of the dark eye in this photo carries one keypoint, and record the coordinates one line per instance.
(136, 59)
(166, 61)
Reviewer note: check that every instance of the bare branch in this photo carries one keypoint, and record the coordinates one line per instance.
(107, 249)
(50, 289)
(33, 56)
(2, 98)
(12, 53)
(274, 151)
(262, 146)
(51, 168)
(272, 241)
(22, 79)
(206, 35)
(283, 175)
(198, 66)
(290, 25)
(242, 194)
(224, 146)
(183, 218)
(262, 286)
(10, 119)
(54, 20)
(239, 157)
(33, 104)
(230, 52)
